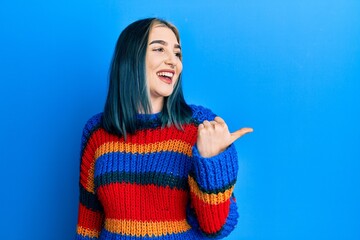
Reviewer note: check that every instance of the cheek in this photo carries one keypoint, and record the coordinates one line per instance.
(179, 67)
(152, 61)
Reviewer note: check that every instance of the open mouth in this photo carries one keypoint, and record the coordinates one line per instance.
(166, 76)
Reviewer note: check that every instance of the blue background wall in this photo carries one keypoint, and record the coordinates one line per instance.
(289, 69)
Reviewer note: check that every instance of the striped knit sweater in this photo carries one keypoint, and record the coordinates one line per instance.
(154, 185)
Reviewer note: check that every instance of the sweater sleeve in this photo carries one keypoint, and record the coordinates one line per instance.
(213, 209)
(90, 212)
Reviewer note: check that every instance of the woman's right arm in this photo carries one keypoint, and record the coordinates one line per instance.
(90, 213)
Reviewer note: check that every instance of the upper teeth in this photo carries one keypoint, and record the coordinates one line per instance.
(166, 74)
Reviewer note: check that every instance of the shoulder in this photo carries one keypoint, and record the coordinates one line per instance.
(200, 113)
(92, 124)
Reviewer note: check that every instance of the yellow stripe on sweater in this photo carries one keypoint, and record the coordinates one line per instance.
(145, 228)
(211, 198)
(87, 232)
(170, 145)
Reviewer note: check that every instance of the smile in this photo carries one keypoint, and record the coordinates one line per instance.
(166, 76)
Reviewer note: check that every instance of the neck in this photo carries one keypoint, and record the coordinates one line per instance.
(156, 104)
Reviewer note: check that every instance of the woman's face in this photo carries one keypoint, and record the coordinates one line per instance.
(163, 64)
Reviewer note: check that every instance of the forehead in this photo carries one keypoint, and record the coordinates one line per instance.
(159, 32)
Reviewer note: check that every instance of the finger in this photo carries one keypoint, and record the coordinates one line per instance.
(219, 120)
(213, 123)
(216, 125)
(207, 124)
(200, 128)
(239, 133)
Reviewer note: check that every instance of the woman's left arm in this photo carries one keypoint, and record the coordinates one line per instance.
(213, 177)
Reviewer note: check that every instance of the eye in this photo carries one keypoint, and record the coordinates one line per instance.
(178, 54)
(160, 49)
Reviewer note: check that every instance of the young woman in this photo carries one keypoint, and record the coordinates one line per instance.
(153, 167)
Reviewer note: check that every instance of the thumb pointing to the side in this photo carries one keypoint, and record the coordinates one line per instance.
(239, 133)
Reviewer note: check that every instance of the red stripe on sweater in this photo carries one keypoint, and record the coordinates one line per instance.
(87, 161)
(89, 219)
(211, 217)
(143, 202)
(155, 135)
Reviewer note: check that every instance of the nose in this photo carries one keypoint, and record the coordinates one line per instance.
(171, 60)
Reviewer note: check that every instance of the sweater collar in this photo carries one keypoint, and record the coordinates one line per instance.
(148, 120)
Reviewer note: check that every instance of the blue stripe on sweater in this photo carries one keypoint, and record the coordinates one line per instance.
(80, 237)
(189, 235)
(201, 113)
(177, 164)
(91, 125)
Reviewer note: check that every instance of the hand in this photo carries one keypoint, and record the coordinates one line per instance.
(214, 137)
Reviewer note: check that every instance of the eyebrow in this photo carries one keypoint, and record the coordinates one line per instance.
(164, 43)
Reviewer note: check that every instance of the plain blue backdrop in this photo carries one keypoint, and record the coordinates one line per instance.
(289, 69)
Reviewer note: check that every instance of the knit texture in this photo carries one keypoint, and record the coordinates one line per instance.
(154, 185)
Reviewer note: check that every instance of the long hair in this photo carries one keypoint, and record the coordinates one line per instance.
(128, 94)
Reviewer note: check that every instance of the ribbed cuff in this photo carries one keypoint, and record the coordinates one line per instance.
(217, 173)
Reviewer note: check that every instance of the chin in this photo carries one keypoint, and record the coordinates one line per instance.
(166, 93)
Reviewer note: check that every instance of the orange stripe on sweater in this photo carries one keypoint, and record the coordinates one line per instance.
(170, 145)
(87, 232)
(143, 228)
(212, 198)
